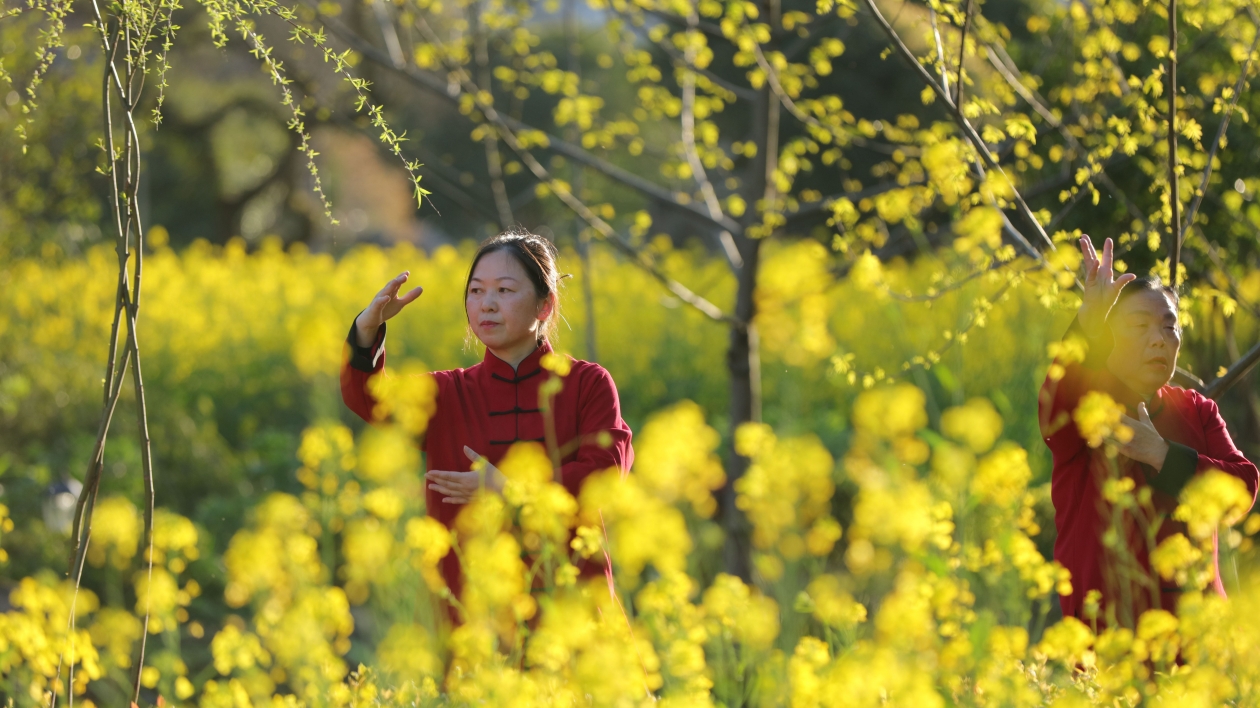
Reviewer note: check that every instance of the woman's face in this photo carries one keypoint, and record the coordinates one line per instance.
(1148, 338)
(503, 309)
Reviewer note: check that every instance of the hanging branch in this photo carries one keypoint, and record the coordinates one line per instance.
(1174, 198)
(125, 40)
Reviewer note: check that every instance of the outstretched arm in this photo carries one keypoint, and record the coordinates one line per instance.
(366, 345)
(1076, 372)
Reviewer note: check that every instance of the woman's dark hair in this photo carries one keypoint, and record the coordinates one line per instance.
(1149, 283)
(537, 256)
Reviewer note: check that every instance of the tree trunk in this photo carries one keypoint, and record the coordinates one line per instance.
(742, 364)
(743, 358)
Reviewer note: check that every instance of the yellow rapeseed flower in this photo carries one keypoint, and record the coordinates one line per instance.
(675, 457)
(116, 530)
(977, 424)
(891, 412)
(1210, 500)
(1098, 417)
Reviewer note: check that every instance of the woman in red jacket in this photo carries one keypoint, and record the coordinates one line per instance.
(511, 303)
(1133, 335)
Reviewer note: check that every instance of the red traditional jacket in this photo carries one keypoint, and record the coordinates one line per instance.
(1197, 440)
(488, 407)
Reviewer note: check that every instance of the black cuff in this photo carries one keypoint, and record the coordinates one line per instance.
(364, 358)
(1098, 349)
(1179, 467)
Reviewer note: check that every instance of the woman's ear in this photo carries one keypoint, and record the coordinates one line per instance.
(546, 307)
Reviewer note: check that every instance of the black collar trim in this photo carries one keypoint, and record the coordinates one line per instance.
(519, 378)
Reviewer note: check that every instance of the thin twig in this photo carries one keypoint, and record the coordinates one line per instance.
(940, 49)
(962, 54)
(688, 120)
(1174, 196)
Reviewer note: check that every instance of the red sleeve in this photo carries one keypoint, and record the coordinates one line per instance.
(1221, 453)
(359, 365)
(599, 416)
(1059, 396)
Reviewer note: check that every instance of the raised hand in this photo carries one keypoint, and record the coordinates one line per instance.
(1102, 288)
(384, 305)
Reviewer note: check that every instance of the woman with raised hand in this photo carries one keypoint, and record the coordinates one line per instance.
(1131, 330)
(512, 305)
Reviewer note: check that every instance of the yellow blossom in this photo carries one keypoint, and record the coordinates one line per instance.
(977, 424)
(1211, 500)
(1098, 417)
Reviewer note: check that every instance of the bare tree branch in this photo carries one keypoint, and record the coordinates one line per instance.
(1232, 375)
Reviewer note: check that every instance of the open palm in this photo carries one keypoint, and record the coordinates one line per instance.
(384, 305)
(1102, 288)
